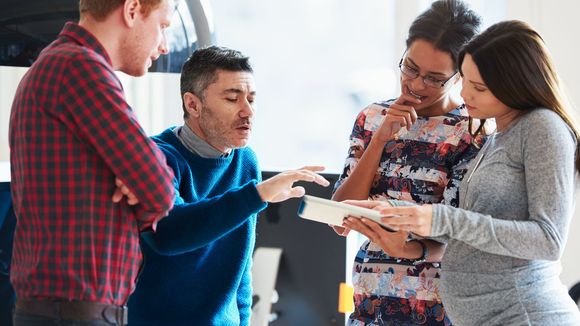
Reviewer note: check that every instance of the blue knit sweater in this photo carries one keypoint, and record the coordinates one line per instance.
(198, 262)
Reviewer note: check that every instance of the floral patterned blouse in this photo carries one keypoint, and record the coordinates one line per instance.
(424, 165)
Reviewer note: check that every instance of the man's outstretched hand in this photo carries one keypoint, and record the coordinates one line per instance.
(281, 186)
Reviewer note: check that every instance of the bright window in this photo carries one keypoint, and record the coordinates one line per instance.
(317, 64)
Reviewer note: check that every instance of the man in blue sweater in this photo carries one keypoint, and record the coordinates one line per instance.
(198, 262)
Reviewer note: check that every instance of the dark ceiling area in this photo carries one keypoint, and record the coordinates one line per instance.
(26, 27)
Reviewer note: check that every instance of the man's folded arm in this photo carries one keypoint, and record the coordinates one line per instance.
(100, 116)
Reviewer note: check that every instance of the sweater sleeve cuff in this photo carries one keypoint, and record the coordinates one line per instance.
(252, 197)
(400, 203)
(439, 221)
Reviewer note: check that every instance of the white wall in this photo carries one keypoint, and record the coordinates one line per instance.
(9, 78)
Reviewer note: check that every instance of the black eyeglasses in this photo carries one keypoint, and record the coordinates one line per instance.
(412, 73)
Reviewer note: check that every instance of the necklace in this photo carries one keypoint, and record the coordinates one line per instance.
(482, 153)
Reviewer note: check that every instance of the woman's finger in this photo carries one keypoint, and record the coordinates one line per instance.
(377, 228)
(366, 203)
(406, 100)
(354, 223)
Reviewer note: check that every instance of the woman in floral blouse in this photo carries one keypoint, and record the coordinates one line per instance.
(415, 148)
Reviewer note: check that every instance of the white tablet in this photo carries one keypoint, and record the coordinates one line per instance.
(332, 212)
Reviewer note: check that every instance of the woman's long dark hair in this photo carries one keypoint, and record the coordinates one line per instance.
(516, 66)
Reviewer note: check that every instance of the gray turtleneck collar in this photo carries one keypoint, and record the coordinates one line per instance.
(196, 145)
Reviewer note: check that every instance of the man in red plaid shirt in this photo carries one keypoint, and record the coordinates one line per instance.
(72, 137)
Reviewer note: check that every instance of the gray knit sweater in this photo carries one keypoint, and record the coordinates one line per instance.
(501, 264)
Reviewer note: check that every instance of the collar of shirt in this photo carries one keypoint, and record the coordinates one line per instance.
(197, 145)
(85, 38)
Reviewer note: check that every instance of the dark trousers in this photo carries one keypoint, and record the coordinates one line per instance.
(7, 225)
(26, 319)
(67, 313)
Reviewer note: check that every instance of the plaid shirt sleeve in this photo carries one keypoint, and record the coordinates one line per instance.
(94, 101)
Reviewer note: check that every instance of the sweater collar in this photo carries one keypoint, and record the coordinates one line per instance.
(195, 144)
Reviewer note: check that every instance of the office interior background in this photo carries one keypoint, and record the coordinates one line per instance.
(317, 64)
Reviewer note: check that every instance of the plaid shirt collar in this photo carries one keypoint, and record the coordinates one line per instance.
(85, 38)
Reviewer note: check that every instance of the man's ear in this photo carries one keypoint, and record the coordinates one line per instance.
(192, 104)
(131, 10)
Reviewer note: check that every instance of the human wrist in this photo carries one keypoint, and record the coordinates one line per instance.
(262, 192)
(417, 249)
(377, 142)
(401, 249)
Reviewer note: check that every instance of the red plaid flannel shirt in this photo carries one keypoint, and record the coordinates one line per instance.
(71, 134)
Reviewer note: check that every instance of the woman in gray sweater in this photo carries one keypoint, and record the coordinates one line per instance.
(504, 242)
